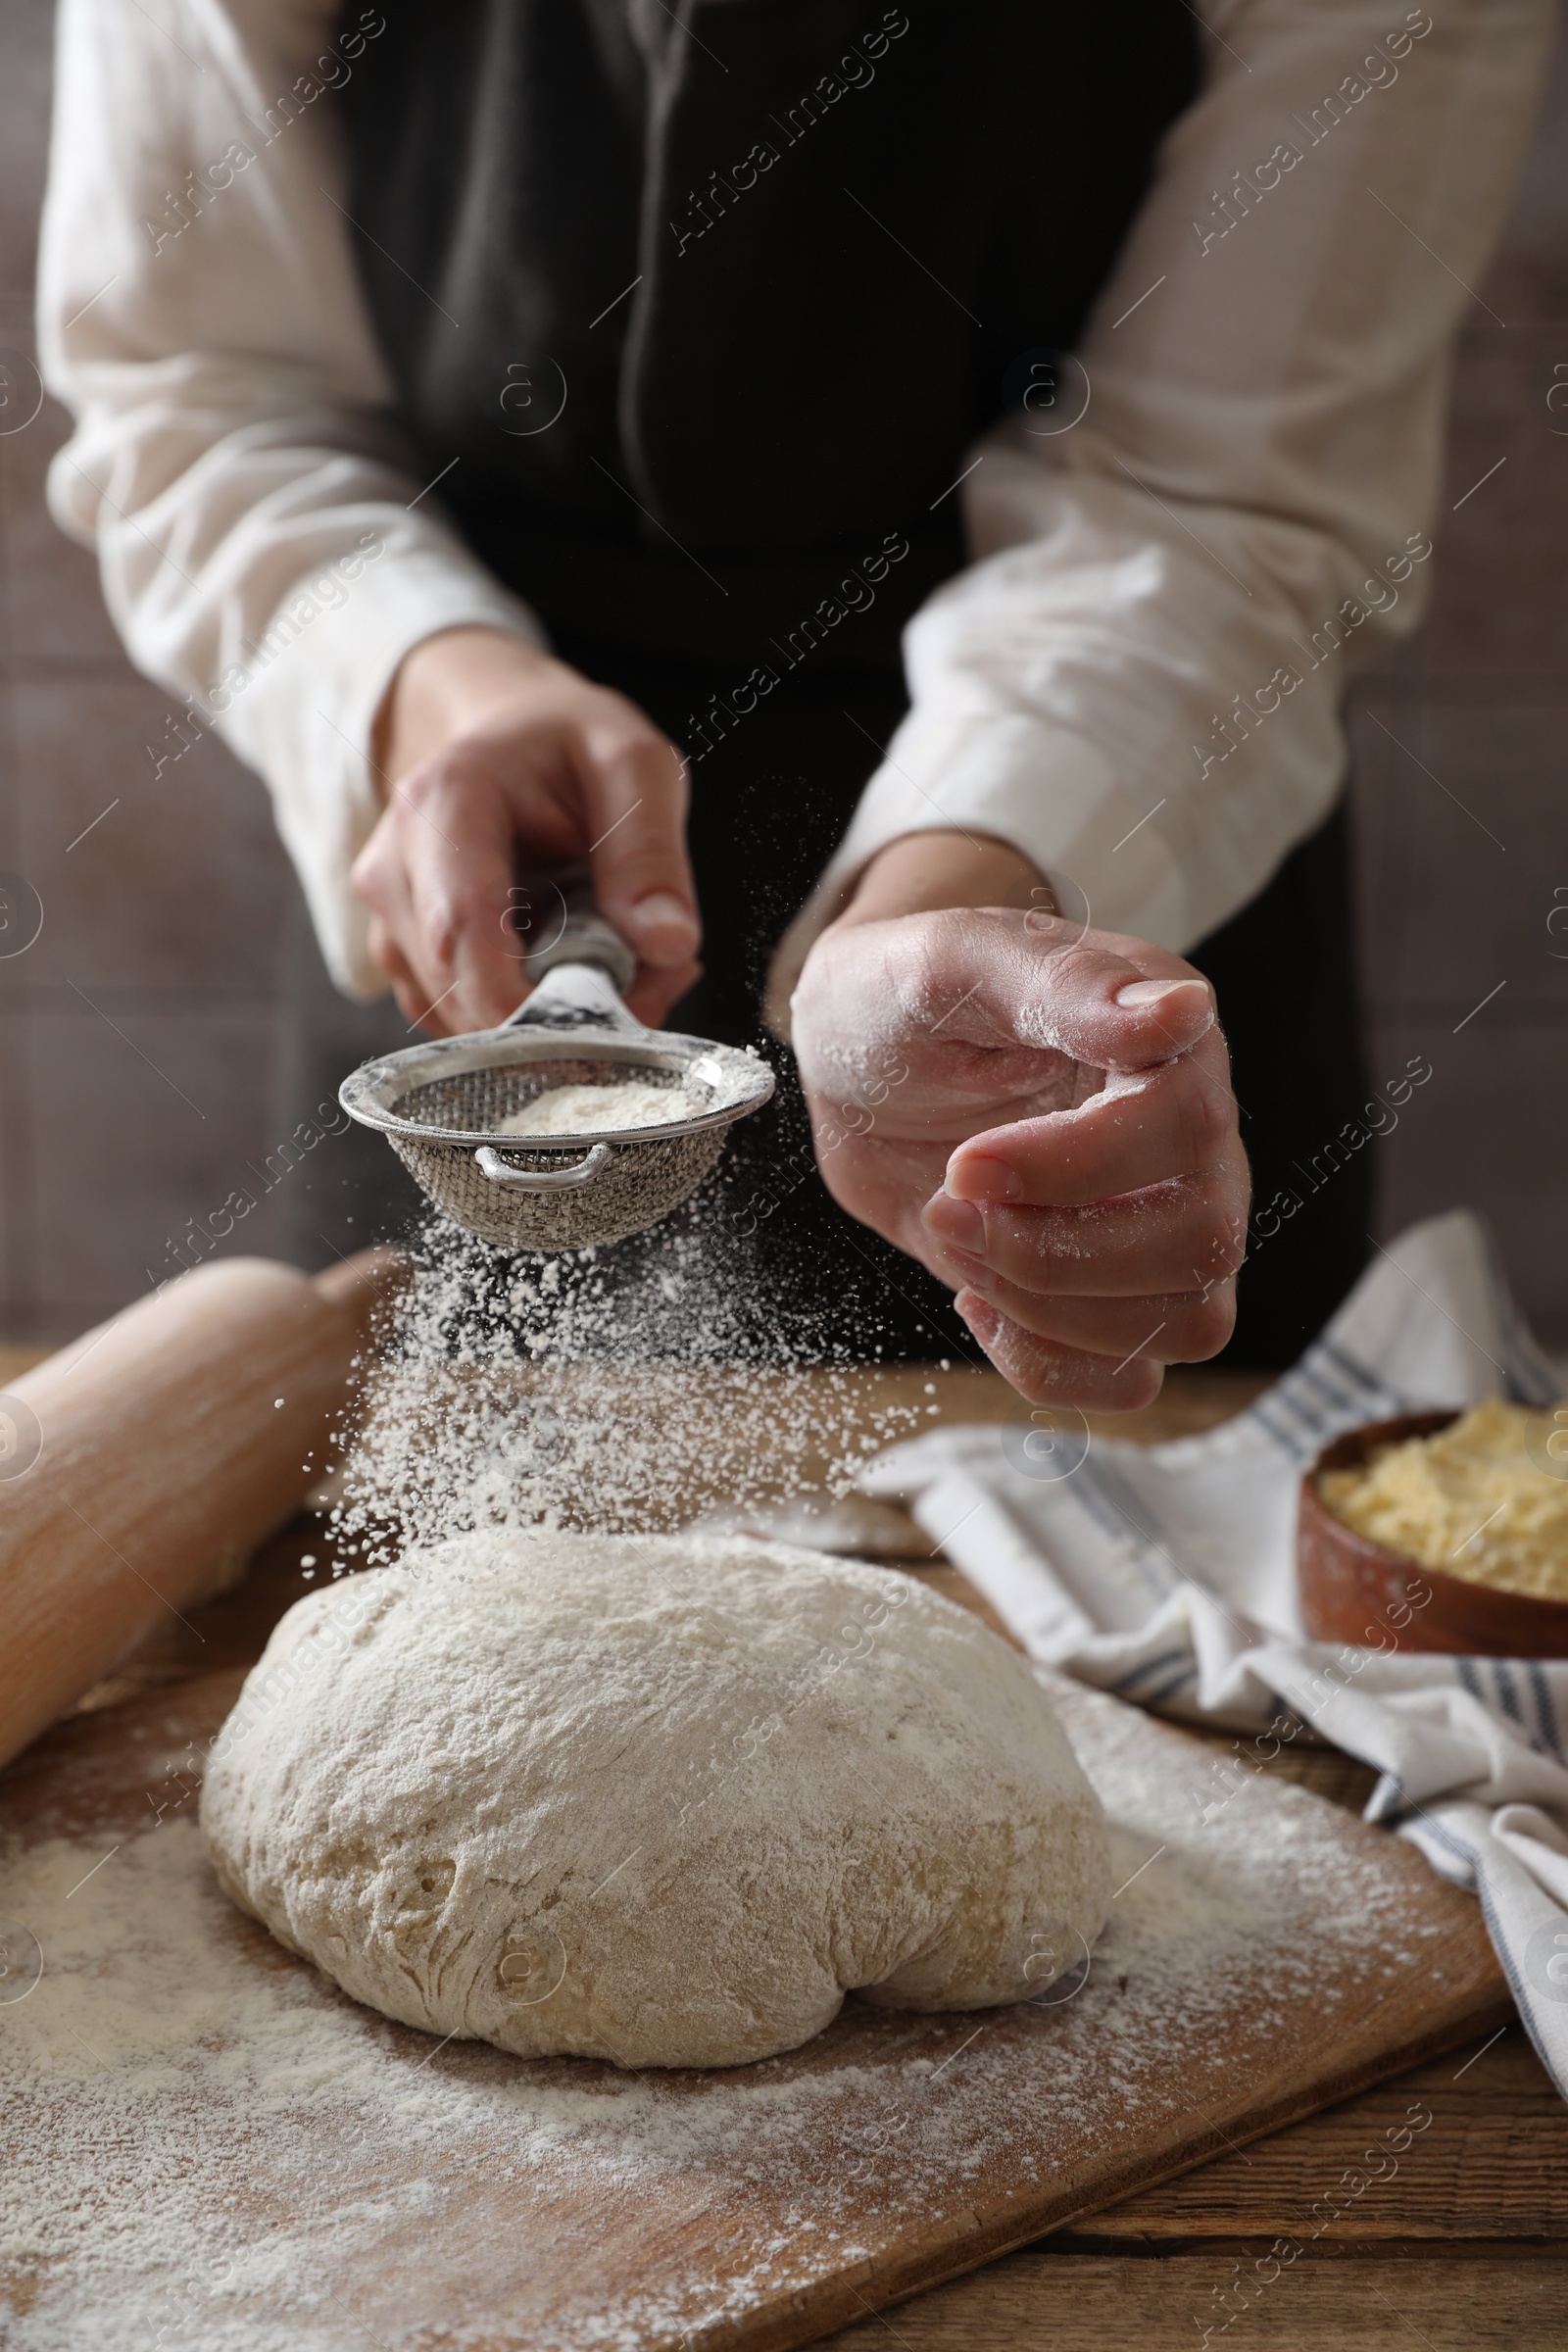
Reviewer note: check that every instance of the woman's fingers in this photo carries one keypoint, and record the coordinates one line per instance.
(634, 788)
(1049, 1374)
(1073, 1090)
(1178, 1119)
(569, 771)
(410, 999)
(656, 988)
(1090, 1002)
(1181, 1328)
(1176, 1238)
(1001, 981)
(987, 1005)
(441, 880)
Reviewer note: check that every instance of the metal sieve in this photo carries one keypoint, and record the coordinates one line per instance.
(440, 1103)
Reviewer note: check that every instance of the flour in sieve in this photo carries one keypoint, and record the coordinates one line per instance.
(597, 1109)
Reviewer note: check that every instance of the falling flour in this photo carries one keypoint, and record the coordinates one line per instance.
(596, 1109)
(623, 1390)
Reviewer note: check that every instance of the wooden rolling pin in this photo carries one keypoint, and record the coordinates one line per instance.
(147, 1459)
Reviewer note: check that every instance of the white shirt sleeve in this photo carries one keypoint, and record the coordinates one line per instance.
(1137, 681)
(265, 550)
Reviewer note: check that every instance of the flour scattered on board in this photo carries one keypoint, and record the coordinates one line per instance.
(207, 2146)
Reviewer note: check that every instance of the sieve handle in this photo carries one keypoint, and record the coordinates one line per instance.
(584, 935)
(489, 1162)
(576, 996)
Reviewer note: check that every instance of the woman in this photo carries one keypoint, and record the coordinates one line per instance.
(531, 431)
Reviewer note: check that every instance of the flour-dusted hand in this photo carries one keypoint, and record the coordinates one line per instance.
(496, 760)
(1043, 1117)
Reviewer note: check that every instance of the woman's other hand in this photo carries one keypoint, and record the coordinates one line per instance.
(1042, 1114)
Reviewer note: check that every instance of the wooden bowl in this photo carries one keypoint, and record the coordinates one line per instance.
(1358, 1591)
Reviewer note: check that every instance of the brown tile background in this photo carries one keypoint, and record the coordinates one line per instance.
(139, 1039)
(1460, 756)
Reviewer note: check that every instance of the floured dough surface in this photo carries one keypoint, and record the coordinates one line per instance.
(658, 1800)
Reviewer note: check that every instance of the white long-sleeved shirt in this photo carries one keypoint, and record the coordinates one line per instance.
(1136, 678)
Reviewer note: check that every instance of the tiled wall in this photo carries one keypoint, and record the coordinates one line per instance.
(139, 1036)
(1460, 768)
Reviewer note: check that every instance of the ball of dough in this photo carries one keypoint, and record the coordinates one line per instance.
(660, 1800)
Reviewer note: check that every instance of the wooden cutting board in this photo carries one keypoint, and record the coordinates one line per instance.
(268, 2164)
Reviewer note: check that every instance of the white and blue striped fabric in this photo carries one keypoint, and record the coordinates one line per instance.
(1167, 1574)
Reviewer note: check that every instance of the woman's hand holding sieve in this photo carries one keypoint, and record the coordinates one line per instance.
(1043, 1117)
(496, 758)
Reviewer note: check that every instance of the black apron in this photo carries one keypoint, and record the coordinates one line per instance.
(708, 301)
(696, 313)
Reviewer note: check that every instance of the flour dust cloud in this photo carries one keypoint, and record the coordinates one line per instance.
(622, 1389)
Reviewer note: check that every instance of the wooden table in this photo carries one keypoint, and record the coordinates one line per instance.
(1467, 2246)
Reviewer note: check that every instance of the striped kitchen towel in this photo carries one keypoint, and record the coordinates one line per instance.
(1167, 1574)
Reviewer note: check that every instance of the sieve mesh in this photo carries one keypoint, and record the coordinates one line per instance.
(438, 1103)
(643, 1182)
